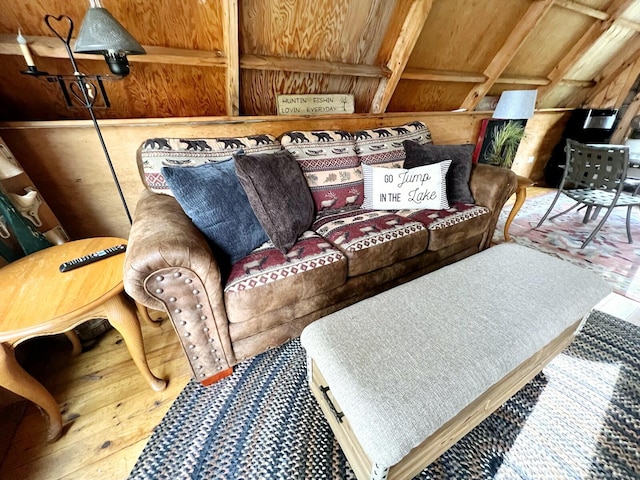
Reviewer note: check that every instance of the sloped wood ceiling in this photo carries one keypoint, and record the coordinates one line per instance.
(230, 57)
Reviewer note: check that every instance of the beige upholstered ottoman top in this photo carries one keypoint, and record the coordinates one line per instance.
(402, 363)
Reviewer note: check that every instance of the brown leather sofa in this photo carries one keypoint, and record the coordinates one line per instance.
(270, 297)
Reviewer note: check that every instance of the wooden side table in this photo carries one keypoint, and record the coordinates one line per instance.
(36, 300)
(521, 195)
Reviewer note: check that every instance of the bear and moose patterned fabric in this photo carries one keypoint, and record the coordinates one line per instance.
(329, 162)
(156, 153)
(267, 264)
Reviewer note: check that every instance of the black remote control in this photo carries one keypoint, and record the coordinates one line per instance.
(92, 257)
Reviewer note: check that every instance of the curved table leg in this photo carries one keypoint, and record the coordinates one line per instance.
(15, 379)
(75, 342)
(521, 195)
(143, 313)
(123, 318)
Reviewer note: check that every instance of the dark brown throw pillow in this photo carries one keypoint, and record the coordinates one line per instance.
(278, 194)
(459, 172)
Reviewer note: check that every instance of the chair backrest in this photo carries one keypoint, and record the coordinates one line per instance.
(601, 167)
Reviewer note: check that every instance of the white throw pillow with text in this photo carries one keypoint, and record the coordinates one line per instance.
(399, 188)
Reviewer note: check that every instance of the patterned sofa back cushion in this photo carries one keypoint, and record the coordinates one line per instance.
(330, 165)
(382, 147)
(156, 153)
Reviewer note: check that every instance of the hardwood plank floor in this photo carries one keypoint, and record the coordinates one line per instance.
(109, 410)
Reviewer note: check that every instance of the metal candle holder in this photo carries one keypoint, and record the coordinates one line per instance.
(80, 90)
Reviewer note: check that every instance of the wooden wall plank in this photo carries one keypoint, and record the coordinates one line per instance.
(556, 33)
(608, 46)
(628, 56)
(536, 11)
(416, 18)
(460, 35)
(412, 95)
(542, 134)
(189, 24)
(66, 164)
(622, 129)
(349, 31)
(164, 90)
(260, 99)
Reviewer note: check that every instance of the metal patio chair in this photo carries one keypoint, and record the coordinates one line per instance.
(594, 177)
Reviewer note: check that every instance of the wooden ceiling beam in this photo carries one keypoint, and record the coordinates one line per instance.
(441, 76)
(615, 10)
(50, 47)
(422, 74)
(411, 29)
(232, 52)
(536, 11)
(594, 13)
(262, 62)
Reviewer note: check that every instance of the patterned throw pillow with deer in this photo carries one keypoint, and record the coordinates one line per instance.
(156, 153)
(330, 166)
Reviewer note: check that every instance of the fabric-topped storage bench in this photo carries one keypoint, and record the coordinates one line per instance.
(403, 375)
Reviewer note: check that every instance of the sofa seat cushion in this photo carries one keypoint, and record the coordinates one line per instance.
(267, 279)
(452, 225)
(371, 239)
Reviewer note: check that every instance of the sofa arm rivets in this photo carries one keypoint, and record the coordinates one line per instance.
(177, 275)
(219, 368)
(202, 375)
(218, 360)
(200, 367)
(187, 334)
(199, 306)
(188, 280)
(192, 346)
(203, 317)
(213, 350)
(159, 290)
(210, 340)
(159, 278)
(206, 329)
(172, 299)
(196, 292)
(195, 357)
(183, 322)
(177, 310)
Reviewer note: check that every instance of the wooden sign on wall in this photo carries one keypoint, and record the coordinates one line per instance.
(320, 104)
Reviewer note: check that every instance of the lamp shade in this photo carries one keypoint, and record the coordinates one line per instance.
(100, 33)
(516, 104)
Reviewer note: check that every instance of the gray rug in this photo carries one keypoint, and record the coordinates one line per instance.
(578, 419)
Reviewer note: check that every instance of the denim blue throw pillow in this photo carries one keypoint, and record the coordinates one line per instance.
(213, 198)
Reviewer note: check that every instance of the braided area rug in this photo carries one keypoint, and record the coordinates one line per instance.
(579, 418)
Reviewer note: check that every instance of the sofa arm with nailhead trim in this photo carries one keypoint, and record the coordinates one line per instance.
(169, 266)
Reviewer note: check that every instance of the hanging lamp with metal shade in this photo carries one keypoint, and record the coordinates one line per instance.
(101, 34)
